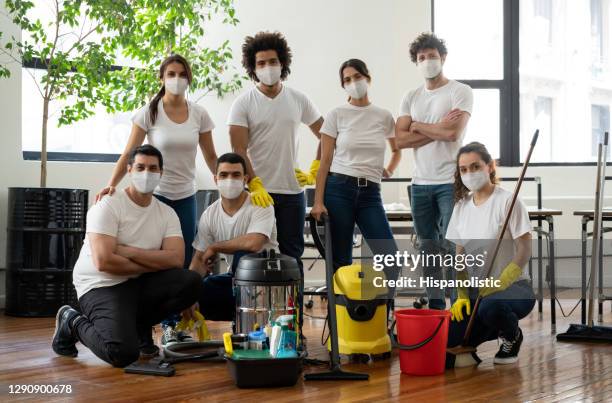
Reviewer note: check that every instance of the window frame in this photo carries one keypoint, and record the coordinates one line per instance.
(37, 64)
(509, 91)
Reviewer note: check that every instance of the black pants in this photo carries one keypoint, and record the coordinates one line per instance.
(117, 318)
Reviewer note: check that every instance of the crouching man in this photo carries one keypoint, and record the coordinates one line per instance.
(129, 275)
(232, 226)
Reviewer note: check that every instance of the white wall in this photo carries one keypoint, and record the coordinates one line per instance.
(322, 34)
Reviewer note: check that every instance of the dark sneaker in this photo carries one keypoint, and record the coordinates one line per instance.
(64, 339)
(169, 336)
(147, 347)
(508, 351)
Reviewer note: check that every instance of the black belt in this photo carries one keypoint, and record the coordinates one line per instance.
(359, 182)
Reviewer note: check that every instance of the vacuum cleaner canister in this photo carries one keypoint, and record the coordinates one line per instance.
(361, 315)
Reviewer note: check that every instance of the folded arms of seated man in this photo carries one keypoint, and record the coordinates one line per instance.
(116, 259)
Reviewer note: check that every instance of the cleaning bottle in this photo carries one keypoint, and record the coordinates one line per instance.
(288, 338)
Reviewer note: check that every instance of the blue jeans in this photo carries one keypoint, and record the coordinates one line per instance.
(217, 300)
(290, 211)
(498, 314)
(349, 204)
(186, 211)
(432, 207)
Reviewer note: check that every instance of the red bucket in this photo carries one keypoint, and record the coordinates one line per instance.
(422, 335)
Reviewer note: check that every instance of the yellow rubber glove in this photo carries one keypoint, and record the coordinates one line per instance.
(507, 277)
(259, 195)
(457, 309)
(199, 325)
(309, 178)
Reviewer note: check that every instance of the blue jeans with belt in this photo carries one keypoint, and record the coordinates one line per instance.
(432, 207)
(348, 204)
(186, 211)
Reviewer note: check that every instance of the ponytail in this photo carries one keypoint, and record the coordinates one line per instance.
(154, 103)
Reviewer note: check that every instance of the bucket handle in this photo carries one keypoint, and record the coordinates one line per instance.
(396, 344)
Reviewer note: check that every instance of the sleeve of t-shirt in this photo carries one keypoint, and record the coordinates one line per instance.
(173, 225)
(519, 220)
(404, 109)
(390, 127)
(310, 113)
(463, 98)
(103, 218)
(206, 123)
(330, 124)
(238, 113)
(452, 232)
(262, 221)
(204, 238)
(141, 118)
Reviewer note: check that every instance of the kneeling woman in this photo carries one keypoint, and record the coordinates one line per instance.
(480, 208)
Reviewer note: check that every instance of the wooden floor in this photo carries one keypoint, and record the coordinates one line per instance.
(547, 371)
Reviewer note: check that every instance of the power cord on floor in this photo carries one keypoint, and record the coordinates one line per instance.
(315, 317)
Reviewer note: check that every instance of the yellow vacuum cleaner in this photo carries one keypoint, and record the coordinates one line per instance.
(361, 316)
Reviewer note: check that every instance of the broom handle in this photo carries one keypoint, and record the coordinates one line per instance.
(597, 213)
(500, 237)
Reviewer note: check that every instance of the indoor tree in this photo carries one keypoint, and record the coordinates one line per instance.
(80, 43)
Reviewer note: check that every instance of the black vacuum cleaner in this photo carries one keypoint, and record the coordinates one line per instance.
(336, 373)
(590, 332)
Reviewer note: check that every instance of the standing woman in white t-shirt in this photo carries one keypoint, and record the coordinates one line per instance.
(480, 209)
(353, 142)
(177, 127)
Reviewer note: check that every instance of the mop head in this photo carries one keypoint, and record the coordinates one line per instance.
(577, 332)
(467, 357)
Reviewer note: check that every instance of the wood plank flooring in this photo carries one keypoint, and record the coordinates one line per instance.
(547, 371)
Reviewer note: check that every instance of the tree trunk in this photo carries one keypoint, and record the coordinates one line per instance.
(43, 146)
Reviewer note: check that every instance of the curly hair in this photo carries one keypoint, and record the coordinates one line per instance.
(266, 41)
(427, 40)
(460, 190)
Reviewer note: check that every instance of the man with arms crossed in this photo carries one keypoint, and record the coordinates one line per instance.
(432, 121)
(129, 275)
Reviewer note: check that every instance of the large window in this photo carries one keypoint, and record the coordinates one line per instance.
(99, 138)
(557, 74)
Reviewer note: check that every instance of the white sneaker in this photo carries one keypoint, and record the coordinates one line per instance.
(169, 336)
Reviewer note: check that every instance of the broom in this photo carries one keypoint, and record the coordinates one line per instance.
(590, 332)
(465, 355)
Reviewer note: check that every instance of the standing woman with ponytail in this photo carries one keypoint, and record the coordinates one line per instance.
(176, 126)
(353, 142)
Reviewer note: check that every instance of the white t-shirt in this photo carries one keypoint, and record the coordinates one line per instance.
(273, 134)
(360, 133)
(178, 144)
(435, 162)
(217, 226)
(476, 228)
(132, 225)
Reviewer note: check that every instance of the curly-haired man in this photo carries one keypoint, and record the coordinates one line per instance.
(432, 121)
(263, 126)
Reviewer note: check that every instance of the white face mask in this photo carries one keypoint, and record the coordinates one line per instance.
(430, 68)
(268, 75)
(145, 181)
(357, 89)
(230, 188)
(176, 85)
(475, 181)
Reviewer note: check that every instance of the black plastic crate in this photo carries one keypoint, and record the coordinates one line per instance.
(265, 373)
(38, 292)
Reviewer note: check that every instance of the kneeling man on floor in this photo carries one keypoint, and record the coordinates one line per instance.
(129, 275)
(232, 226)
